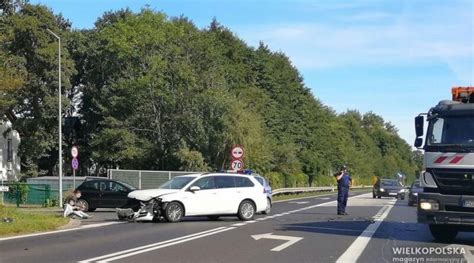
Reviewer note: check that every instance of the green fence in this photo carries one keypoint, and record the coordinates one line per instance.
(22, 194)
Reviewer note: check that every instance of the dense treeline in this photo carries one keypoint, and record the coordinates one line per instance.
(152, 92)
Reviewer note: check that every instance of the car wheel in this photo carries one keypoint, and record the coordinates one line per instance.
(379, 197)
(443, 233)
(174, 212)
(246, 210)
(268, 209)
(84, 204)
(213, 218)
(91, 209)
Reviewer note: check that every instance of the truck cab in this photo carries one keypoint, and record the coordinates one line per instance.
(447, 201)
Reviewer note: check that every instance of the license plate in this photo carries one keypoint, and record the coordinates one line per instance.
(468, 203)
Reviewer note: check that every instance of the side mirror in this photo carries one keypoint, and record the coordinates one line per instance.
(194, 188)
(418, 142)
(419, 125)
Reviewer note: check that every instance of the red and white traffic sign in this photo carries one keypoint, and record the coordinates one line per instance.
(74, 151)
(237, 152)
(237, 165)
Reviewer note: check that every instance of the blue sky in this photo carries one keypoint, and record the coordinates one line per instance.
(395, 58)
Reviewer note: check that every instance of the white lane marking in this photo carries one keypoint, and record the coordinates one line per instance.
(251, 222)
(151, 245)
(290, 240)
(239, 224)
(300, 202)
(261, 219)
(164, 245)
(324, 198)
(353, 253)
(328, 228)
(62, 231)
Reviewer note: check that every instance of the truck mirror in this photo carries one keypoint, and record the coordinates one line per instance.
(418, 142)
(419, 123)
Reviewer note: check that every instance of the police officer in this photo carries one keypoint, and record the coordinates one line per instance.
(344, 181)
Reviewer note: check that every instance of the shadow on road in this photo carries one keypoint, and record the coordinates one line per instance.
(388, 230)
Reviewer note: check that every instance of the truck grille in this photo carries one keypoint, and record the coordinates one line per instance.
(454, 181)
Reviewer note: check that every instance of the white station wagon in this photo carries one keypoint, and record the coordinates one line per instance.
(208, 194)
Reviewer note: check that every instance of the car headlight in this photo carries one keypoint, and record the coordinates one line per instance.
(428, 204)
(402, 191)
(382, 190)
(415, 194)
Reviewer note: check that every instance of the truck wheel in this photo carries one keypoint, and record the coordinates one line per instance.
(443, 233)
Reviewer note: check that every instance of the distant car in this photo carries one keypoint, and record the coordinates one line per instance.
(414, 190)
(209, 194)
(388, 188)
(105, 193)
(268, 190)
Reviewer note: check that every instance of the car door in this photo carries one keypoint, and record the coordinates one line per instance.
(113, 194)
(204, 201)
(228, 197)
(90, 193)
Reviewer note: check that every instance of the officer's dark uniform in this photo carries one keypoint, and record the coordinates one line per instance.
(343, 193)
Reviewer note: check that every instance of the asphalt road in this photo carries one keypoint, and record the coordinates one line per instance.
(305, 230)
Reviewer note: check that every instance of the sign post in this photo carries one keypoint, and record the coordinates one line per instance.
(236, 154)
(74, 164)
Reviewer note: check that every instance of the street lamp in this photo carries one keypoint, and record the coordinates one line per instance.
(60, 122)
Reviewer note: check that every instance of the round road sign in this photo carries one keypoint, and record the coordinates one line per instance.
(74, 152)
(75, 164)
(237, 165)
(237, 152)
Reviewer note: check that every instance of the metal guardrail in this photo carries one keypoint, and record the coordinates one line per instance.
(312, 189)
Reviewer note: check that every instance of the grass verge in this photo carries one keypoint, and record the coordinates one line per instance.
(25, 222)
(311, 194)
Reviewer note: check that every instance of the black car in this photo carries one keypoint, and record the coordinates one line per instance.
(415, 189)
(387, 188)
(105, 193)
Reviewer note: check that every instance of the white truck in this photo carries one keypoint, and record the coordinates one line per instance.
(447, 201)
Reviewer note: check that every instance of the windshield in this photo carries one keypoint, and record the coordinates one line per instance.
(177, 182)
(129, 186)
(451, 130)
(390, 183)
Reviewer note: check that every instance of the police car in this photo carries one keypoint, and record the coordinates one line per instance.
(208, 194)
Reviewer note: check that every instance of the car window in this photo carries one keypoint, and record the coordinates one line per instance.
(103, 186)
(242, 182)
(205, 183)
(115, 187)
(224, 182)
(90, 186)
(260, 180)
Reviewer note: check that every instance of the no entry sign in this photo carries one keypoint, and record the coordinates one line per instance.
(237, 152)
